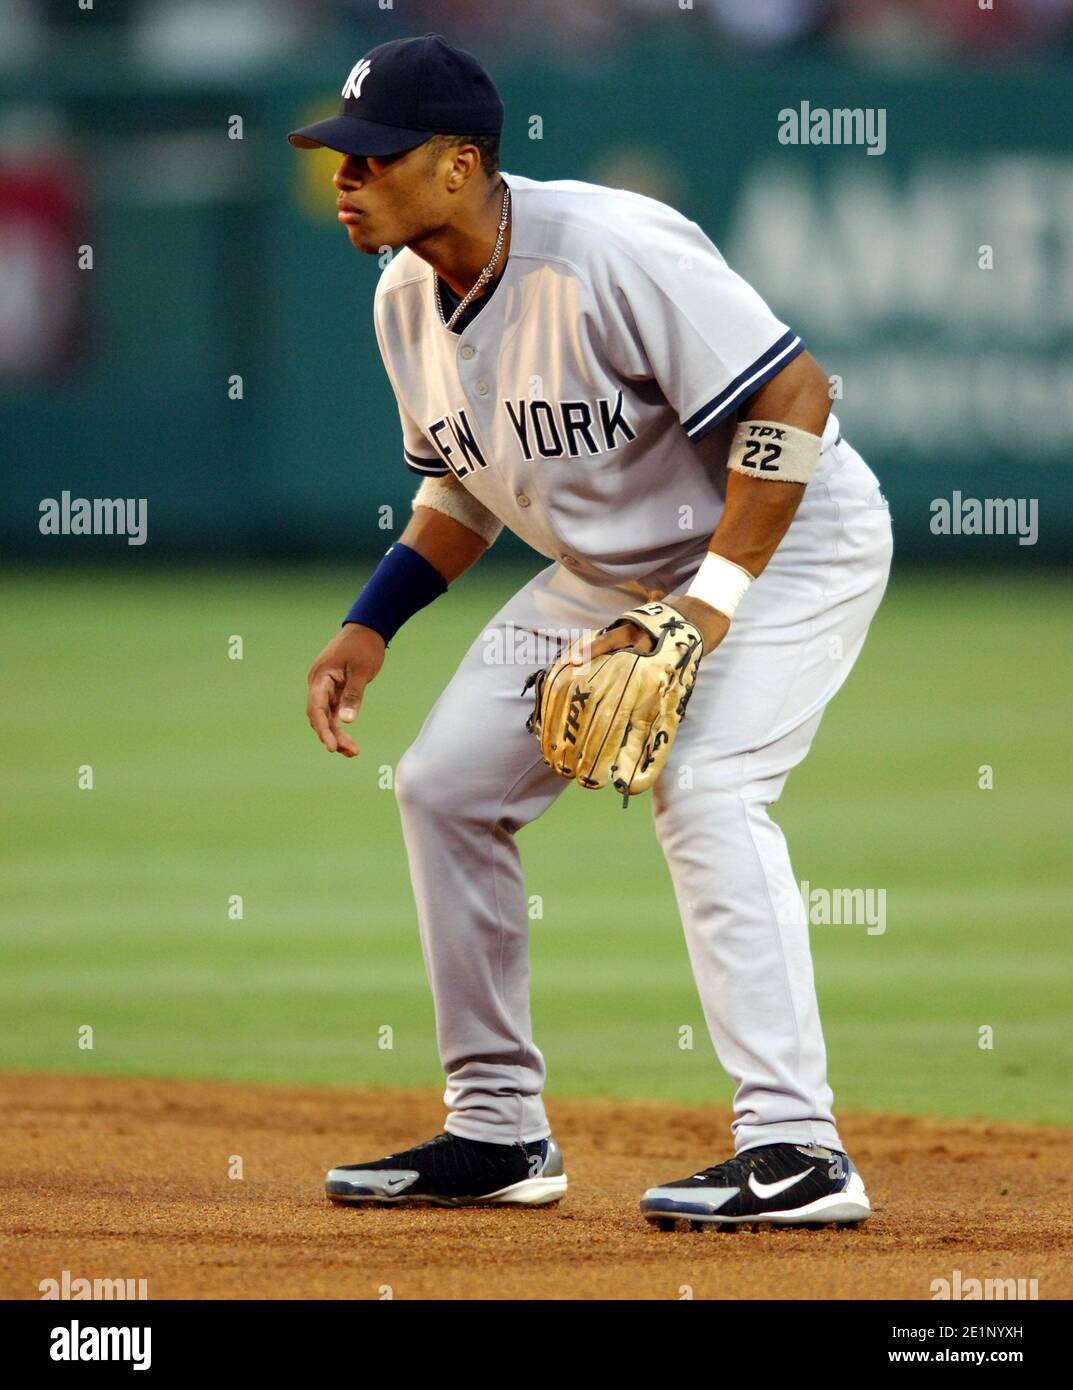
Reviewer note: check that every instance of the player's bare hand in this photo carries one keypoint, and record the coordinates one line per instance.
(336, 685)
(598, 644)
(712, 625)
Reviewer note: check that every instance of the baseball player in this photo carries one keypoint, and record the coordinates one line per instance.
(579, 364)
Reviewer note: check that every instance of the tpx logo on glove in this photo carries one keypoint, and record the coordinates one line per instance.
(578, 700)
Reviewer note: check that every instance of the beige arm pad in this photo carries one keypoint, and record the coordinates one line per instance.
(447, 495)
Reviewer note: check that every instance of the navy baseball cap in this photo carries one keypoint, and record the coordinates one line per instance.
(402, 93)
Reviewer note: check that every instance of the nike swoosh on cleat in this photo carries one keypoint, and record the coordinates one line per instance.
(397, 1182)
(772, 1189)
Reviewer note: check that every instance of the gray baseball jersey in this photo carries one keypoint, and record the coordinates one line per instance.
(590, 404)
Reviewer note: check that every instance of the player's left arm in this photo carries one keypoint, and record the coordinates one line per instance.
(674, 311)
(758, 511)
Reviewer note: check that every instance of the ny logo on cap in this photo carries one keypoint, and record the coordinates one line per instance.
(358, 73)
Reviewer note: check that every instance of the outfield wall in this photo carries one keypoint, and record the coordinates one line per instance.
(933, 278)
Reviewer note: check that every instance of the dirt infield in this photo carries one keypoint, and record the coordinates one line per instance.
(110, 1179)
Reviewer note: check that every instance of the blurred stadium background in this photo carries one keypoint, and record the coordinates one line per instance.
(215, 257)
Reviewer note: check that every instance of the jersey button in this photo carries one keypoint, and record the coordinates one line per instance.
(469, 351)
(522, 500)
(482, 388)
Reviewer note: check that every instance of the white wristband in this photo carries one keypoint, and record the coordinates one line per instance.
(768, 449)
(719, 583)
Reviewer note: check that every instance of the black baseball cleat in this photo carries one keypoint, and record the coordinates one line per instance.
(775, 1184)
(452, 1172)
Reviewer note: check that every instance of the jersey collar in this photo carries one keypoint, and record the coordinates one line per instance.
(492, 305)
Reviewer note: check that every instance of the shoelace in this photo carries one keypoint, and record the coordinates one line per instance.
(734, 1172)
(472, 1160)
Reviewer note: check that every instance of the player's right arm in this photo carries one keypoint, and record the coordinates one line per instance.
(448, 532)
(444, 541)
(337, 679)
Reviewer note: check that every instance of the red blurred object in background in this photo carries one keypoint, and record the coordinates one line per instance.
(40, 295)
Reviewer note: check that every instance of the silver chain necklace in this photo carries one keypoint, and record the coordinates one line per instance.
(486, 273)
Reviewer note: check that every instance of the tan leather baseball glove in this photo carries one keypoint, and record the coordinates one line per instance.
(614, 718)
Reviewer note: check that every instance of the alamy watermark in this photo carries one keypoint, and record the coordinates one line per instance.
(77, 1343)
(986, 516)
(66, 1287)
(520, 646)
(95, 516)
(835, 907)
(819, 125)
(959, 1287)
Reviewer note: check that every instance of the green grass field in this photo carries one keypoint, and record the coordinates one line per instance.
(208, 783)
